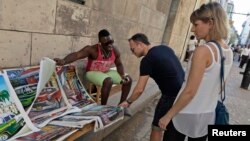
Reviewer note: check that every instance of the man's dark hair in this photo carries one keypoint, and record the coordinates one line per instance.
(103, 33)
(140, 37)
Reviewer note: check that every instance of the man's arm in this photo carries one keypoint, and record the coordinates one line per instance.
(138, 90)
(118, 63)
(81, 54)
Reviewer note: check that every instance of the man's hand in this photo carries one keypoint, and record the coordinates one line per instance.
(124, 104)
(59, 61)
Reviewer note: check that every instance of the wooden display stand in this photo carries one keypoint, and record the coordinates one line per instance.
(87, 128)
(97, 95)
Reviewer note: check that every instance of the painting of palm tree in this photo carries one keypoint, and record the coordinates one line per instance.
(4, 95)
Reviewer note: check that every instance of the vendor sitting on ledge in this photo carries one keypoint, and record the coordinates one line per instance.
(101, 57)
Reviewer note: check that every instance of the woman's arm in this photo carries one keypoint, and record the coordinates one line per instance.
(200, 61)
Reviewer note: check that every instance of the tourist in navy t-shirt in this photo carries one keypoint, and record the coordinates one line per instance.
(161, 64)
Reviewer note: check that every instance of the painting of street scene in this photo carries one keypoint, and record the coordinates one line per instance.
(11, 121)
(102, 115)
(74, 90)
(49, 132)
(108, 114)
(48, 101)
(24, 81)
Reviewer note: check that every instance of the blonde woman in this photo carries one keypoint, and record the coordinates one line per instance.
(194, 107)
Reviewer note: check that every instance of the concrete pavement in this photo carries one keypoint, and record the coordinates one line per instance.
(237, 99)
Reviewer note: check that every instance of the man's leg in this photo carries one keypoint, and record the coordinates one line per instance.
(117, 80)
(156, 134)
(161, 109)
(186, 56)
(101, 79)
(106, 87)
(204, 138)
(126, 89)
(239, 58)
(243, 60)
(171, 134)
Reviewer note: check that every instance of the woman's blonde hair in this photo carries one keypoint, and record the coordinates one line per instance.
(213, 11)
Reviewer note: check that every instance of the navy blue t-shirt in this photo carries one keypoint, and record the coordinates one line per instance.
(162, 65)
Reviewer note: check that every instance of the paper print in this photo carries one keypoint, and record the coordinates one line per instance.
(49, 102)
(48, 133)
(11, 120)
(24, 81)
(74, 90)
(103, 115)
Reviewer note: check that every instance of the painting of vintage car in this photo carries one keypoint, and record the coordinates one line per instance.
(10, 124)
(26, 94)
(49, 93)
(49, 98)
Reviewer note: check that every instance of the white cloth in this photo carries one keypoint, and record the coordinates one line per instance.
(193, 120)
(246, 52)
(192, 44)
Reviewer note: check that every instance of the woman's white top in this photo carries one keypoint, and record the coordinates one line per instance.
(193, 120)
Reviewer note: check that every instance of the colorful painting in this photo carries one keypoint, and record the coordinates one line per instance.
(47, 133)
(74, 90)
(102, 115)
(11, 121)
(108, 114)
(48, 93)
(48, 102)
(24, 81)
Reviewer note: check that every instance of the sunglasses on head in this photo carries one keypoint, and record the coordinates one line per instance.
(108, 43)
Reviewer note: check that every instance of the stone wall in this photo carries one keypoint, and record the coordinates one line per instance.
(178, 28)
(32, 29)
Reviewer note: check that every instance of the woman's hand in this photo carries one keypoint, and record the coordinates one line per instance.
(164, 121)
